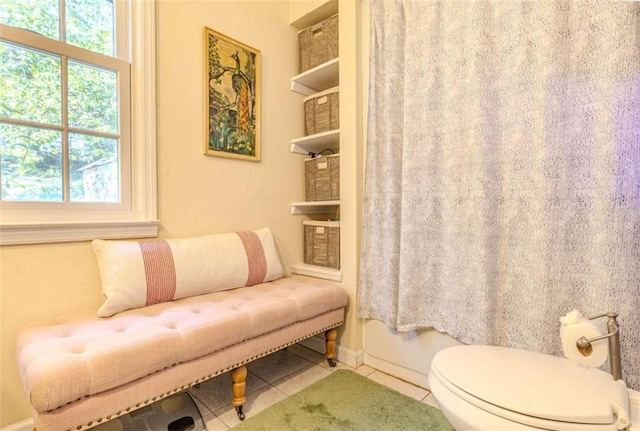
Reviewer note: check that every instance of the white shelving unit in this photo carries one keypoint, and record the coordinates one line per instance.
(305, 13)
(315, 80)
(316, 143)
(314, 207)
(319, 78)
(316, 271)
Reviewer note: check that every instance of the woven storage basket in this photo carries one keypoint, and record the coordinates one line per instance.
(322, 111)
(322, 178)
(318, 44)
(322, 243)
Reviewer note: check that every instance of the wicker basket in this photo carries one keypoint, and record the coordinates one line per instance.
(322, 111)
(322, 243)
(318, 44)
(322, 178)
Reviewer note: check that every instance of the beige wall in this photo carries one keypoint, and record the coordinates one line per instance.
(202, 194)
(300, 8)
(196, 194)
(350, 166)
(39, 282)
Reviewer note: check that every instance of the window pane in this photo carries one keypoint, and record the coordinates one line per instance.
(90, 25)
(93, 164)
(30, 87)
(93, 98)
(31, 167)
(41, 16)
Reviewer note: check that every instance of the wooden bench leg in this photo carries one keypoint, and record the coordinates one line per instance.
(330, 340)
(238, 386)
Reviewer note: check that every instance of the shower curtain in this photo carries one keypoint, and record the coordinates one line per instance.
(502, 180)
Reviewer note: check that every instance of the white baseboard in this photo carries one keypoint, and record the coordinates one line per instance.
(403, 373)
(25, 425)
(347, 356)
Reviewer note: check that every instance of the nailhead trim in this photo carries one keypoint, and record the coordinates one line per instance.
(197, 382)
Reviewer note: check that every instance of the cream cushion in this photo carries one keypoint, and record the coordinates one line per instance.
(140, 273)
(85, 356)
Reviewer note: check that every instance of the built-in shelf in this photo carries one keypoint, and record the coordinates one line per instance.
(316, 271)
(316, 15)
(328, 223)
(315, 207)
(316, 143)
(319, 78)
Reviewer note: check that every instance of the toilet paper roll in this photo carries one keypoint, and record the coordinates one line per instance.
(574, 326)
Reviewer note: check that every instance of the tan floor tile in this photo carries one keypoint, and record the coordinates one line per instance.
(399, 385)
(211, 421)
(339, 366)
(256, 402)
(277, 365)
(306, 353)
(317, 358)
(300, 379)
(216, 392)
(215, 424)
(365, 371)
(431, 400)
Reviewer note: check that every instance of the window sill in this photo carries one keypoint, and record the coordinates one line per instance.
(40, 233)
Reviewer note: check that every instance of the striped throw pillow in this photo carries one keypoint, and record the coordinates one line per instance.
(139, 273)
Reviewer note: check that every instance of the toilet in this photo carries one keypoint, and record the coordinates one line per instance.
(495, 388)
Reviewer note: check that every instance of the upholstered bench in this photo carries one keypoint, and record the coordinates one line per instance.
(84, 370)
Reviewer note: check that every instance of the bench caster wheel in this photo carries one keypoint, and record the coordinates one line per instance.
(332, 362)
(241, 415)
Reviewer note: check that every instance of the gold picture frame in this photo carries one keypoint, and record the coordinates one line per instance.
(232, 98)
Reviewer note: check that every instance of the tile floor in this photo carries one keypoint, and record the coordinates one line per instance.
(274, 377)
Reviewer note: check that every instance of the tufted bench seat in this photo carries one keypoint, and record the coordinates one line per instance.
(84, 370)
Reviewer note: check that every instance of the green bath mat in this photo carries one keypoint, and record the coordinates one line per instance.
(345, 400)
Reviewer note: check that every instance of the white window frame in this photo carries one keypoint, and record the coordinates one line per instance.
(18, 226)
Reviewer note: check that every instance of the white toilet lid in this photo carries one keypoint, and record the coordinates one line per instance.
(532, 384)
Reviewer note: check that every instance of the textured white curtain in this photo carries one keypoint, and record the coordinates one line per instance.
(502, 183)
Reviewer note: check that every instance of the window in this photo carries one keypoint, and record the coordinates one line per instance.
(69, 86)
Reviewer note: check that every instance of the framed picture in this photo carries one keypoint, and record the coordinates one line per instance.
(232, 98)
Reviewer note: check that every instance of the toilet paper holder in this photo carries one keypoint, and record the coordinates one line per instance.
(584, 344)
